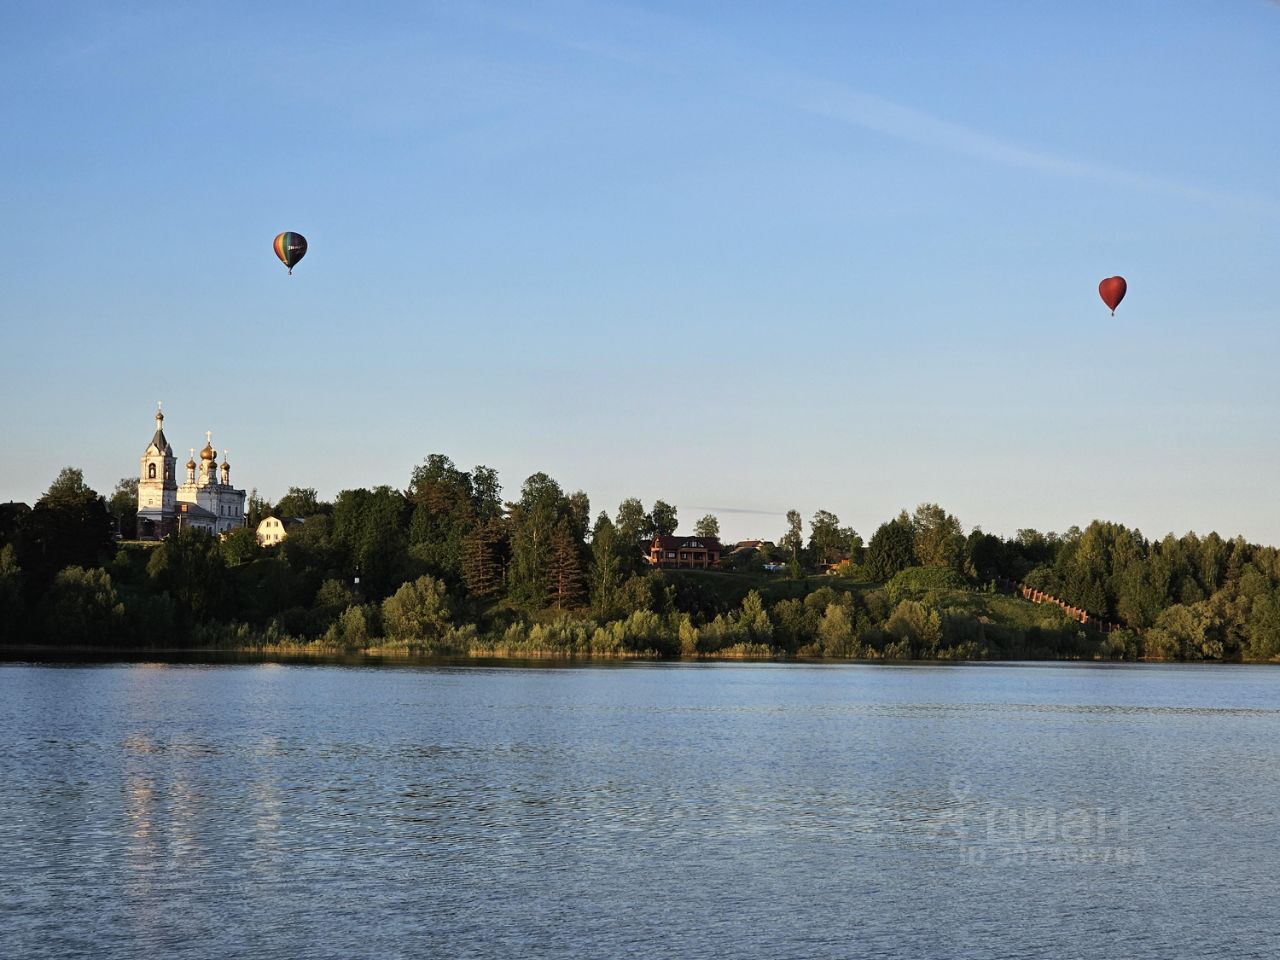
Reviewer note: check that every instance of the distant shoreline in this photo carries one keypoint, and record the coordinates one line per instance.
(374, 656)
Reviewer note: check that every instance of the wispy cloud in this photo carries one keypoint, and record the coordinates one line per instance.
(847, 105)
(679, 47)
(744, 510)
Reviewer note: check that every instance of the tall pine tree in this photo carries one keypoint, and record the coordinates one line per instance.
(564, 570)
(484, 560)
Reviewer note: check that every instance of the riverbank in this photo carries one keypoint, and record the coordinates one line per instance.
(401, 654)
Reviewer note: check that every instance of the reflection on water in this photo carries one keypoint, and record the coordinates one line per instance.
(672, 810)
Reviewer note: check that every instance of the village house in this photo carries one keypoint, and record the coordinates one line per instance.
(699, 553)
(272, 530)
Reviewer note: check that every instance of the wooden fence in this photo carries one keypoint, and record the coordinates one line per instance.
(1078, 614)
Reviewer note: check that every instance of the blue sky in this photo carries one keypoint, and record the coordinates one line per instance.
(740, 256)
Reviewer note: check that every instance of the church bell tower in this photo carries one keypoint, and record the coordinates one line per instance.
(157, 485)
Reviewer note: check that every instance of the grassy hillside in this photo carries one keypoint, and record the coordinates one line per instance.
(901, 618)
(717, 592)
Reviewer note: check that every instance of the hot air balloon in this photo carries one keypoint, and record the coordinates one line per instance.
(290, 248)
(1111, 290)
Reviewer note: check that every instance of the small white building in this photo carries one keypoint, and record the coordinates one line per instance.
(272, 530)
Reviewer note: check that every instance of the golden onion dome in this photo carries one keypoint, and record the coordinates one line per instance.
(191, 464)
(208, 453)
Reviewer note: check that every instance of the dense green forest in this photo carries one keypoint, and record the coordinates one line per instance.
(446, 567)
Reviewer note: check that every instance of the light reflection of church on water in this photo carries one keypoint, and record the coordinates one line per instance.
(205, 502)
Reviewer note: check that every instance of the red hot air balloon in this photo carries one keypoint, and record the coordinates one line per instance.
(1112, 291)
(290, 248)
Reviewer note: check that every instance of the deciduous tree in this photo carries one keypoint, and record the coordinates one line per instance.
(486, 493)
(892, 548)
(12, 604)
(69, 526)
(541, 513)
(81, 608)
(829, 542)
(443, 503)
(123, 506)
(662, 519)
(939, 538)
(793, 539)
(606, 569)
(631, 526)
(419, 611)
(369, 525)
(189, 566)
(240, 546)
(298, 502)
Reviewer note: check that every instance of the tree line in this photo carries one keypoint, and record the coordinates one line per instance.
(447, 566)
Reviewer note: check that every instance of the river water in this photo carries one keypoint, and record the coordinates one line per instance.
(669, 810)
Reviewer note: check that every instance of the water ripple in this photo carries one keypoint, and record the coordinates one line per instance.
(338, 812)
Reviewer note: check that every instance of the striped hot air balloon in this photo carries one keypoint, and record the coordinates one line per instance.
(290, 248)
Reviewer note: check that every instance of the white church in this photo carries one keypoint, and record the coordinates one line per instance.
(205, 502)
